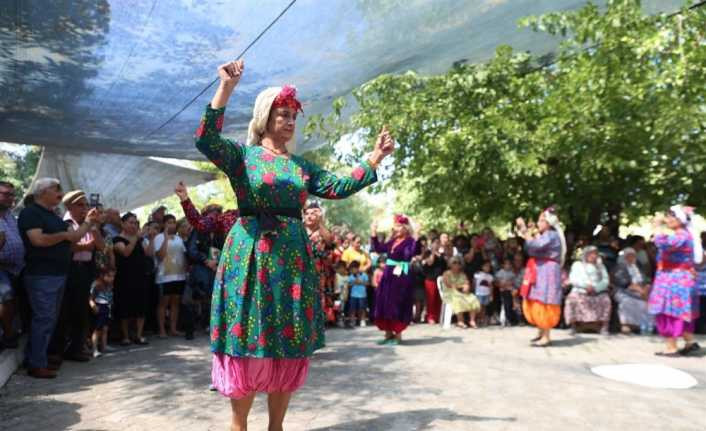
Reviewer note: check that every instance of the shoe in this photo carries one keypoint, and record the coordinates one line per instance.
(97, 354)
(547, 344)
(41, 373)
(125, 342)
(363, 324)
(668, 355)
(605, 332)
(212, 388)
(393, 342)
(689, 348)
(109, 349)
(383, 341)
(142, 341)
(77, 357)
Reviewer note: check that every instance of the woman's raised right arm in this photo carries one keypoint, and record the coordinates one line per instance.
(224, 153)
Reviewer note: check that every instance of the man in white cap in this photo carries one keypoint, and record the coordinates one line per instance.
(47, 239)
(71, 331)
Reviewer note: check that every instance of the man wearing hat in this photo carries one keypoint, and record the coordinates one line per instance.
(72, 328)
(47, 240)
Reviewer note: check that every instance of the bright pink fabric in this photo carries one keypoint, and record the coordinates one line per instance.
(670, 326)
(239, 377)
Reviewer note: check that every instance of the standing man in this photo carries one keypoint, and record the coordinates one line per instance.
(72, 328)
(47, 240)
(12, 254)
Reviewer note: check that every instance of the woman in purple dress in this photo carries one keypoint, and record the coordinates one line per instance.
(394, 296)
(674, 298)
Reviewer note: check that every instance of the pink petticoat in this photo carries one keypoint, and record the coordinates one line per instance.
(239, 377)
(673, 327)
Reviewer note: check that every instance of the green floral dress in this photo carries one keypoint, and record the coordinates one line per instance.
(266, 301)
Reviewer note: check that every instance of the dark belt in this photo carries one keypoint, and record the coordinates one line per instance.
(267, 217)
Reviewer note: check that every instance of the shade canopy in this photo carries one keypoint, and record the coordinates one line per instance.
(123, 182)
(102, 75)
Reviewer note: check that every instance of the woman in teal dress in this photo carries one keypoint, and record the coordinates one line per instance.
(266, 316)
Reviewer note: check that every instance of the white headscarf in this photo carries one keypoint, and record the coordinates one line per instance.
(260, 115)
(684, 214)
(553, 221)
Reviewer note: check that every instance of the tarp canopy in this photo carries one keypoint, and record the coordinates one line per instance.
(125, 182)
(103, 75)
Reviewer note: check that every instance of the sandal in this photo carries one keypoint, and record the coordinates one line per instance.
(689, 348)
(668, 355)
(462, 325)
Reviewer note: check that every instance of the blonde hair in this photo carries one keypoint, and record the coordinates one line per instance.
(260, 116)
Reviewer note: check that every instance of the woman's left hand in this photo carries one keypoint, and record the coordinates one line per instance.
(384, 145)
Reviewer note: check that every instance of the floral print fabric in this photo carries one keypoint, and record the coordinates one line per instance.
(674, 293)
(266, 300)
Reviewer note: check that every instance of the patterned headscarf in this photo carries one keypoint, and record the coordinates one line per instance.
(684, 214)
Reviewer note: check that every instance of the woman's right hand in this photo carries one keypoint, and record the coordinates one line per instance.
(181, 191)
(230, 73)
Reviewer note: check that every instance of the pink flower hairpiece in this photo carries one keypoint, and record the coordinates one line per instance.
(401, 219)
(287, 98)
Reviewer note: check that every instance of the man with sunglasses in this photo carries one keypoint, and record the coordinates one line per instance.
(11, 262)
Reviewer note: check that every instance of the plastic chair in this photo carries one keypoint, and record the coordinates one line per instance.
(446, 310)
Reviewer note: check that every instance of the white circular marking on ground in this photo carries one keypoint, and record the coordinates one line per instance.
(648, 375)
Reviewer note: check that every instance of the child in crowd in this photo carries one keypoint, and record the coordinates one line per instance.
(101, 302)
(483, 281)
(504, 279)
(358, 296)
(341, 289)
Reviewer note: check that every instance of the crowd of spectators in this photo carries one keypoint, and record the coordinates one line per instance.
(79, 277)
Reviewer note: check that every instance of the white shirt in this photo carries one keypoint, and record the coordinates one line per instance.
(483, 290)
(173, 266)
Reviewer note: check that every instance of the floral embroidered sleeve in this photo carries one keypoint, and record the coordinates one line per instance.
(221, 223)
(327, 185)
(202, 224)
(227, 155)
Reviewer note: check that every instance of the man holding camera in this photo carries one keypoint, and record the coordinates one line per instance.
(72, 328)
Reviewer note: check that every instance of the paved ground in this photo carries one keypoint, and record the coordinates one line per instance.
(439, 380)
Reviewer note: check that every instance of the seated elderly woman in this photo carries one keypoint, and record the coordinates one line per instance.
(588, 301)
(633, 290)
(457, 292)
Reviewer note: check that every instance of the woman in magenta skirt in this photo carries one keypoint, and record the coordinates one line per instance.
(674, 298)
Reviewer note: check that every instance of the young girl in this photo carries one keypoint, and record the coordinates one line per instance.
(505, 279)
(171, 274)
(341, 290)
(483, 280)
(101, 302)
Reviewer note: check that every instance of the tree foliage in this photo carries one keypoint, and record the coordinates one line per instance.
(19, 167)
(613, 128)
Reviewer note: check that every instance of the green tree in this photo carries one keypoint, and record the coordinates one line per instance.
(609, 132)
(19, 167)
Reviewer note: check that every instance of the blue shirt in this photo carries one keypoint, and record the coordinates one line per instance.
(358, 287)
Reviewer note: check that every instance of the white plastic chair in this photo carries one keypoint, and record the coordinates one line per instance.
(446, 310)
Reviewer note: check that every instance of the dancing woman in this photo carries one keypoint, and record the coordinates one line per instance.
(266, 318)
(541, 290)
(394, 296)
(674, 297)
